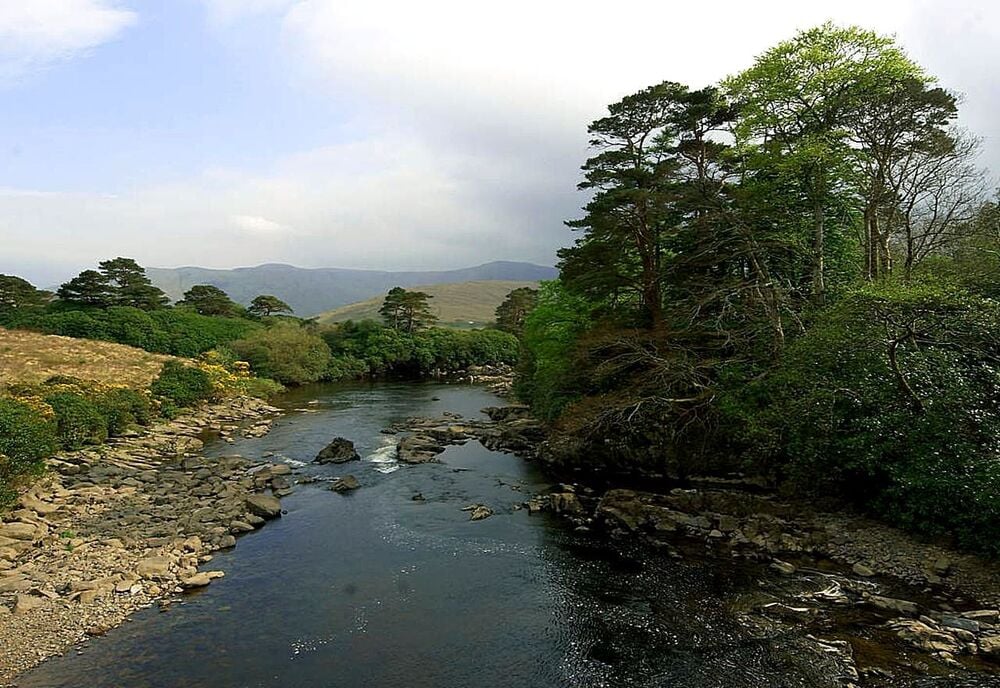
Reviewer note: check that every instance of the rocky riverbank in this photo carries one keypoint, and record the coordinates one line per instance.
(874, 601)
(115, 528)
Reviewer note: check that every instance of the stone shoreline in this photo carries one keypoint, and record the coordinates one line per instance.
(119, 527)
(851, 582)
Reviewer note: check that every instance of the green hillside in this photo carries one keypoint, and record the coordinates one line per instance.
(466, 304)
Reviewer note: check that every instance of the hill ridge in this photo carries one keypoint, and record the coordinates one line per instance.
(311, 291)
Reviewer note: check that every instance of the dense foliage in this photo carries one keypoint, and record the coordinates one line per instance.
(182, 385)
(27, 436)
(374, 349)
(790, 273)
(285, 352)
(175, 331)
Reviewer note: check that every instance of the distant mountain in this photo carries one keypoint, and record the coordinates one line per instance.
(464, 304)
(313, 290)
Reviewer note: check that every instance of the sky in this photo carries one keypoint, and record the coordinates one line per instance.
(367, 133)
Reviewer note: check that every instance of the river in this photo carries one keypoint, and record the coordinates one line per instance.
(375, 588)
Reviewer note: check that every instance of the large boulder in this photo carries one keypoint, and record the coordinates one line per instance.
(340, 450)
(264, 506)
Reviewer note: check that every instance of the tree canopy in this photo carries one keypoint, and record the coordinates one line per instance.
(266, 304)
(407, 311)
(210, 300)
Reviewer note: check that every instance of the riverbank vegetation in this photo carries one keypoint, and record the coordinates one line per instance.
(793, 274)
(70, 391)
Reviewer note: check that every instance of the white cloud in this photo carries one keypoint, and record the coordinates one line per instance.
(387, 201)
(469, 124)
(225, 11)
(255, 224)
(37, 33)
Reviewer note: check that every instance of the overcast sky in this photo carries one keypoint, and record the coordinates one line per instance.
(366, 133)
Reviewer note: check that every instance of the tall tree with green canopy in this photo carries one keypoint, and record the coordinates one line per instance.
(89, 288)
(18, 294)
(512, 312)
(632, 177)
(407, 311)
(210, 300)
(266, 304)
(130, 286)
(798, 105)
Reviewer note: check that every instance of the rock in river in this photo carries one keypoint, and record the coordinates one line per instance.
(345, 484)
(340, 450)
(264, 506)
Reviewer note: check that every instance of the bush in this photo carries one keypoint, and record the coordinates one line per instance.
(182, 385)
(79, 420)
(122, 408)
(369, 347)
(27, 437)
(287, 353)
(174, 331)
(345, 367)
(545, 375)
(892, 400)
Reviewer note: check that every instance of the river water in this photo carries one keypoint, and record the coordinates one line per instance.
(377, 589)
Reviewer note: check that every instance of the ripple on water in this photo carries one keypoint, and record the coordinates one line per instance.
(385, 457)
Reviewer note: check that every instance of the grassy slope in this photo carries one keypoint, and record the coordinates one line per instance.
(28, 357)
(454, 304)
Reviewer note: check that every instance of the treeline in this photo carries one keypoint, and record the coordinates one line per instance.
(117, 303)
(791, 273)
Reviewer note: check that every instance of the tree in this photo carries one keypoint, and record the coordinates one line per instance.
(18, 294)
(632, 180)
(210, 300)
(512, 312)
(897, 137)
(797, 106)
(265, 305)
(407, 311)
(89, 288)
(938, 192)
(130, 286)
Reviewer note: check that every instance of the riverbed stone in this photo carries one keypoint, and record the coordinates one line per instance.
(18, 531)
(893, 605)
(863, 570)
(154, 567)
(340, 450)
(989, 646)
(264, 506)
(346, 483)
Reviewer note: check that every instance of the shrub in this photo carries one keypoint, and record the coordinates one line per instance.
(345, 367)
(182, 385)
(79, 420)
(27, 437)
(892, 400)
(545, 375)
(123, 407)
(175, 331)
(369, 347)
(286, 353)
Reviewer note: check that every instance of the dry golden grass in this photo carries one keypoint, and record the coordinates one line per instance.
(28, 357)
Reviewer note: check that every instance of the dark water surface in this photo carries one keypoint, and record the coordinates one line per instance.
(375, 589)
